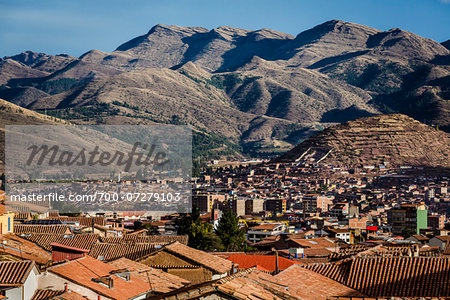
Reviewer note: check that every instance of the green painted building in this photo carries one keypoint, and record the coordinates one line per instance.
(408, 219)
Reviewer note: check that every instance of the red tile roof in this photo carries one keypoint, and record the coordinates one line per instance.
(321, 242)
(109, 252)
(60, 246)
(69, 295)
(83, 270)
(157, 239)
(44, 240)
(265, 227)
(160, 281)
(46, 294)
(13, 273)
(307, 284)
(447, 249)
(250, 284)
(84, 221)
(267, 262)
(392, 276)
(23, 249)
(254, 284)
(55, 229)
(214, 263)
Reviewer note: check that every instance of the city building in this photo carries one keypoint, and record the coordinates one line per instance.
(315, 203)
(6, 220)
(254, 205)
(275, 205)
(408, 219)
(260, 232)
(205, 201)
(436, 221)
(237, 205)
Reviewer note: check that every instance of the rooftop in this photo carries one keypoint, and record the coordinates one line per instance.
(82, 271)
(267, 262)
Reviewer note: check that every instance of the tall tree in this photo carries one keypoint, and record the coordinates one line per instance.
(229, 232)
(201, 235)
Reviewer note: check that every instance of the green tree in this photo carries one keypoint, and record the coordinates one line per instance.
(232, 237)
(201, 235)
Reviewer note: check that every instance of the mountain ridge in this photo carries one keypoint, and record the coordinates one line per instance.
(263, 90)
(395, 139)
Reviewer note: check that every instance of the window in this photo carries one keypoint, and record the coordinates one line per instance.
(9, 224)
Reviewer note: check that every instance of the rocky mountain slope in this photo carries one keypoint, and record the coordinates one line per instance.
(11, 114)
(262, 90)
(393, 138)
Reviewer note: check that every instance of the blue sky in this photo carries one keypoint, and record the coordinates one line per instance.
(74, 27)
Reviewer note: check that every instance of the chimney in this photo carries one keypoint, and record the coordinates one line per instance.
(65, 286)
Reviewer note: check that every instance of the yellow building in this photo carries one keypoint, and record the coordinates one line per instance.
(6, 220)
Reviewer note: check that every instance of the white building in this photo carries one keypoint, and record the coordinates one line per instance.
(18, 279)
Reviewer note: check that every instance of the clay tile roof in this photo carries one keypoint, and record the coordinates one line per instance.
(156, 239)
(23, 249)
(69, 295)
(443, 237)
(447, 249)
(392, 276)
(161, 282)
(267, 262)
(45, 294)
(83, 270)
(421, 237)
(13, 273)
(250, 284)
(315, 243)
(55, 229)
(335, 271)
(56, 245)
(109, 252)
(44, 240)
(84, 221)
(265, 227)
(307, 284)
(214, 263)
(254, 284)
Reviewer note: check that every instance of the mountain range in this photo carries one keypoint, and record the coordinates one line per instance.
(252, 92)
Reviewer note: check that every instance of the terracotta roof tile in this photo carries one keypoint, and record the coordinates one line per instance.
(265, 227)
(247, 284)
(46, 294)
(161, 282)
(55, 229)
(82, 271)
(447, 249)
(267, 262)
(69, 295)
(84, 221)
(23, 249)
(14, 273)
(109, 252)
(315, 243)
(44, 240)
(310, 285)
(215, 263)
(157, 239)
(392, 276)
